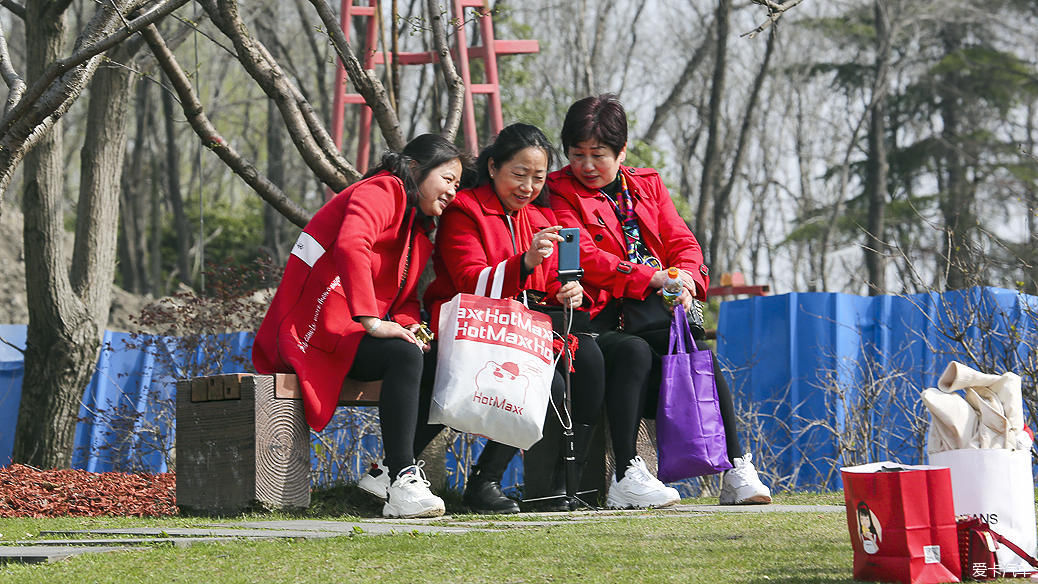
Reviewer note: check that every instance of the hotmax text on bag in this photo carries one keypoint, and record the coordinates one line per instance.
(496, 402)
(506, 328)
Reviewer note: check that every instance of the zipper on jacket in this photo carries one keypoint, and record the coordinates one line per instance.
(407, 266)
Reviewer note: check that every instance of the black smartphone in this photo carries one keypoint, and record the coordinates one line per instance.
(569, 254)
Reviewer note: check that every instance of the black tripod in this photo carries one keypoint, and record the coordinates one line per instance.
(569, 455)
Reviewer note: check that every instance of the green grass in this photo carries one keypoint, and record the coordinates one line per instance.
(715, 548)
(651, 547)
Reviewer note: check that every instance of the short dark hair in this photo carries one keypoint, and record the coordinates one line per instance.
(427, 151)
(509, 142)
(601, 118)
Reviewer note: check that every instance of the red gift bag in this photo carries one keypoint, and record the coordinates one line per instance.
(901, 520)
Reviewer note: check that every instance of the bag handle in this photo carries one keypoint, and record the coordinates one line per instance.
(498, 283)
(679, 332)
(1016, 549)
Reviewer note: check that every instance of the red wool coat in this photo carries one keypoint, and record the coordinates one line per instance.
(607, 274)
(349, 261)
(473, 234)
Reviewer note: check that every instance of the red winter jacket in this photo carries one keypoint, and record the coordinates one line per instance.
(607, 274)
(349, 261)
(473, 234)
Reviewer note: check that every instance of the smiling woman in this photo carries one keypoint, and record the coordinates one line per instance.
(507, 220)
(348, 306)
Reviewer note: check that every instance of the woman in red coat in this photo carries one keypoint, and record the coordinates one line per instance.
(634, 233)
(507, 218)
(347, 304)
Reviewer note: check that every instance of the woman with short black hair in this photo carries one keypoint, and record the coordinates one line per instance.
(634, 234)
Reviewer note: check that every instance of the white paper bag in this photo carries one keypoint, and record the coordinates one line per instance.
(997, 486)
(494, 369)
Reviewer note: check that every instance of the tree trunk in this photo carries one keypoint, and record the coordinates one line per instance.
(67, 308)
(272, 220)
(97, 215)
(132, 237)
(1032, 208)
(876, 166)
(712, 157)
(724, 194)
(59, 338)
(176, 198)
(956, 203)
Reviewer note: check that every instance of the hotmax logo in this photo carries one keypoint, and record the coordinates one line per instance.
(501, 379)
(496, 402)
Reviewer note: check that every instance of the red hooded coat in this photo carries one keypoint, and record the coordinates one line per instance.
(473, 233)
(360, 255)
(607, 273)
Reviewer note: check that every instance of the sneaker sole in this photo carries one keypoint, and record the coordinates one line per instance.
(754, 500)
(435, 512)
(655, 506)
(374, 492)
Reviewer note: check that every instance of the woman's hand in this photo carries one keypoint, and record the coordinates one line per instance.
(660, 278)
(541, 246)
(414, 329)
(571, 294)
(388, 329)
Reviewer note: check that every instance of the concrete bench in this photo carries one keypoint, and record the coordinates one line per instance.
(242, 440)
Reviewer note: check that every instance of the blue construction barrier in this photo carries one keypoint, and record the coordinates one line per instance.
(821, 379)
(830, 379)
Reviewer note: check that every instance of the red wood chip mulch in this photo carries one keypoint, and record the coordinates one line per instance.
(30, 492)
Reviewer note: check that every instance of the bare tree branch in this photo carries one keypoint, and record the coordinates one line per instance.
(775, 12)
(367, 84)
(16, 8)
(84, 54)
(14, 81)
(455, 84)
(663, 111)
(1028, 153)
(50, 96)
(195, 114)
(308, 134)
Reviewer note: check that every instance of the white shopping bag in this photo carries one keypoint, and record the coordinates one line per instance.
(996, 485)
(494, 368)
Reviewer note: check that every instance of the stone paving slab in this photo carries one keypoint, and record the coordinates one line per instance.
(42, 554)
(121, 541)
(36, 551)
(361, 527)
(201, 532)
(773, 508)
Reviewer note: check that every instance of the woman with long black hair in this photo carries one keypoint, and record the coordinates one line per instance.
(507, 218)
(347, 305)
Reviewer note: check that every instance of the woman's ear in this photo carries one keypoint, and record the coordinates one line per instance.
(622, 156)
(491, 167)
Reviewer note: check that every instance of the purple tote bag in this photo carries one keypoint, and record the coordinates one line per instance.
(689, 430)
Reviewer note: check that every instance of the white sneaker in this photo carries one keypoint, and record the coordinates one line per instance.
(639, 489)
(742, 486)
(409, 495)
(375, 481)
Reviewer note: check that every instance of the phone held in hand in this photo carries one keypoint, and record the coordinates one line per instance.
(569, 255)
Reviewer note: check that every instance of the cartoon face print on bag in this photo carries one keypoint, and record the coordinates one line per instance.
(869, 529)
(497, 380)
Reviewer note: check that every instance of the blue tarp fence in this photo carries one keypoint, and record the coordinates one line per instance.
(820, 379)
(825, 380)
